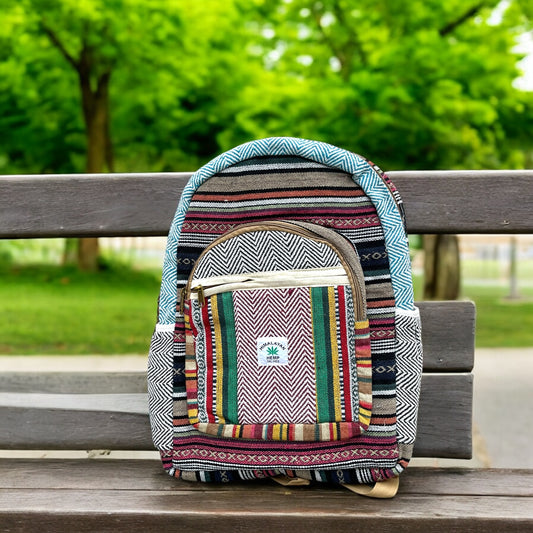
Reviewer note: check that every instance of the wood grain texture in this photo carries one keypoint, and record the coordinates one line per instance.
(445, 416)
(148, 475)
(448, 335)
(26, 420)
(143, 204)
(128, 495)
(74, 382)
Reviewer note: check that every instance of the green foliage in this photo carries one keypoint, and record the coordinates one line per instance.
(422, 84)
(34, 251)
(170, 89)
(415, 84)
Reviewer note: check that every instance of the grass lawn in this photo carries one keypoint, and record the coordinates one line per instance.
(56, 310)
(502, 322)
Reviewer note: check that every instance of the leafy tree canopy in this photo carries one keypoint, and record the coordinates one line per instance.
(166, 63)
(421, 84)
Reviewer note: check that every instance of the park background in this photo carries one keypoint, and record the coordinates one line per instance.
(165, 85)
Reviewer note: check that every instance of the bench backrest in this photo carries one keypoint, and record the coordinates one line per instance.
(73, 410)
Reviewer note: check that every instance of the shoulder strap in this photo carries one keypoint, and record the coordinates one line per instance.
(381, 489)
(360, 170)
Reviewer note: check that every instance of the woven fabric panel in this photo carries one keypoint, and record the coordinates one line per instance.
(246, 254)
(322, 196)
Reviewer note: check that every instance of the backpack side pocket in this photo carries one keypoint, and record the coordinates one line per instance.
(160, 372)
(409, 360)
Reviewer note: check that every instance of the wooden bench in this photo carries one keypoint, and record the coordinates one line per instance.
(85, 411)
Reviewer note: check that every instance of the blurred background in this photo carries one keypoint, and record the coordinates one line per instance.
(165, 85)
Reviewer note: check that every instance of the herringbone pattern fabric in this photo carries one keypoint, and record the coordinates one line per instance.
(160, 397)
(409, 360)
(290, 252)
(322, 154)
(275, 394)
(312, 182)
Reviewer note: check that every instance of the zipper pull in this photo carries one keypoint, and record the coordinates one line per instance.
(199, 291)
(182, 300)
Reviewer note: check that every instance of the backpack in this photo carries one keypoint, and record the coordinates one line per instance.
(287, 344)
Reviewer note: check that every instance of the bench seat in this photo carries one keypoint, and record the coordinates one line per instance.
(126, 495)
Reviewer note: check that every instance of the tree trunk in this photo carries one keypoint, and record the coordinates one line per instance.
(95, 103)
(441, 267)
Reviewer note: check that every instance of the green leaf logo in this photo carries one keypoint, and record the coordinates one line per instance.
(272, 350)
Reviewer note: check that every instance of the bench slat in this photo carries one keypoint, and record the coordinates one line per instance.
(448, 335)
(130, 510)
(24, 425)
(442, 353)
(73, 382)
(148, 475)
(79, 205)
(127, 495)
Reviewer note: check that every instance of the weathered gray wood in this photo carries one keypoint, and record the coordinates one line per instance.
(149, 475)
(27, 428)
(143, 204)
(134, 495)
(127, 511)
(445, 416)
(467, 201)
(448, 335)
(73, 382)
(26, 420)
(88, 205)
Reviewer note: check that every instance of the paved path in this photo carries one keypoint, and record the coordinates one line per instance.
(503, 398)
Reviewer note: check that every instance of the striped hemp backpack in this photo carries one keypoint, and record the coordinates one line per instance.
(287, 344)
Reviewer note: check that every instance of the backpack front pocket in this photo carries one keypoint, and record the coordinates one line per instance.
(278, 355)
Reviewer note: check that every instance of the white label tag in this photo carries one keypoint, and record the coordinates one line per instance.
(272, 351)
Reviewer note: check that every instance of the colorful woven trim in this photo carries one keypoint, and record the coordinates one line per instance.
(362, 173)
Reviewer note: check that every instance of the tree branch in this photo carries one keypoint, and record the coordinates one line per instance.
(354, 42)
(338, 53)
(54, 39)
(451, 26)
(343, 54)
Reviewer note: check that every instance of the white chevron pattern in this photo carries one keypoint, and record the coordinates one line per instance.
(409, 359)
(275, 394)
(160, 364)
(246, 254)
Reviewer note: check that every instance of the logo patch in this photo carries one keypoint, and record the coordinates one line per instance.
(272, 351)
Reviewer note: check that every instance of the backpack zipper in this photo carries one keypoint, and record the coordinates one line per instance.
(316, 277)
(355, 277)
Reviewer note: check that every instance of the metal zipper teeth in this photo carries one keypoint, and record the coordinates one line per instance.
(353, 277)
(273, 282)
